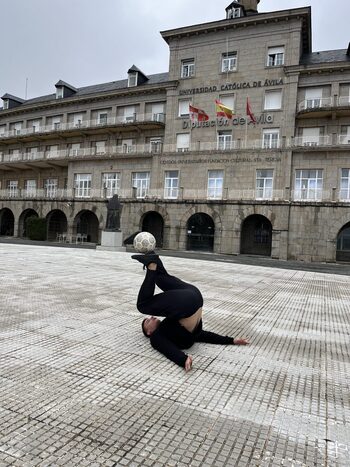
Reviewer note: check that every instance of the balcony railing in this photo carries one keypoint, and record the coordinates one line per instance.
(65, 195)
(344, 139)
(323, 103)
(316, 103)
(85, 124)
(309, 142)
(153, 148)
(344, 101)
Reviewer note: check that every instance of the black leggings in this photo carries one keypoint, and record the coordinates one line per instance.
(178, 299)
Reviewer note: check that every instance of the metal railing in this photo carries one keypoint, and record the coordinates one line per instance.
(344, 139)
(199, 146)
(85, 124)
(308, 141)
(316, 103)
(66, 195)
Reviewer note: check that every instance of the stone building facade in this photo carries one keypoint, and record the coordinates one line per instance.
(271, 179)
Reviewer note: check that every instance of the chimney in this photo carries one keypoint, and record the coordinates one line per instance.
(250, 6)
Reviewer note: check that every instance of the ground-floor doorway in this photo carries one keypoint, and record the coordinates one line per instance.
(200, 232)
(153, 223)
(256, 236)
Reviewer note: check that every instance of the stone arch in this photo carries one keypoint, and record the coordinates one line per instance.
(200, 232)
(343, 243)
(205, 210)
(156, 208)
(256, 235)
(153, 222)
(86, 222)
(56, 223)
(22, 228)
(7, 222)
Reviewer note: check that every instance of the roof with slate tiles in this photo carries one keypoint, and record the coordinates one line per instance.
(85, 91)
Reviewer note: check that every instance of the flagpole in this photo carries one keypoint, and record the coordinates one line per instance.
(246, 126)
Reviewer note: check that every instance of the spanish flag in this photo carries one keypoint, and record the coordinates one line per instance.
(222, 110)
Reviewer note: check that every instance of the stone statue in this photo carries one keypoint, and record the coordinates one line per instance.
(114, 210)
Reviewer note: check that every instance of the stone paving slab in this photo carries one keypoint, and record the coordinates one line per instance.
(81, 386)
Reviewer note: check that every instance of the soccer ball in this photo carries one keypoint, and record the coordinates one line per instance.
(144, 242)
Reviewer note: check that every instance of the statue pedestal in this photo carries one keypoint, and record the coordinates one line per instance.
(111, 241)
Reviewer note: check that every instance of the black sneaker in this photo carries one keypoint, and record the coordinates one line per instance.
(146, 259)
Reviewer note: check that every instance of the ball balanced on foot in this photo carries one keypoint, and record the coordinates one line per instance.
(144, 242)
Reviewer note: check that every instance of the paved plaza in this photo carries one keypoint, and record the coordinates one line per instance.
(81, 386)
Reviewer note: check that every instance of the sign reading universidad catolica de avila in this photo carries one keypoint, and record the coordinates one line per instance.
(232, 86)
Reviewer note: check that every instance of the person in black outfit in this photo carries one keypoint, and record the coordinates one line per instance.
(181, 305)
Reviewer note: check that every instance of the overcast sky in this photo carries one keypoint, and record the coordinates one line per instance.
(88, 42)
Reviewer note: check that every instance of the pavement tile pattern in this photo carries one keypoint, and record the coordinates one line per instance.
(81, 386)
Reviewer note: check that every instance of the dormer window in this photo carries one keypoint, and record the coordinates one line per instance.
(132, 79)
(6, 104)
(234, 13)
(59, 93)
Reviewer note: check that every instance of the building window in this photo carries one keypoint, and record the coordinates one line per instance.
(111, 184)
(32, 153)
(171, 184)
(158, 112)
(228, 100)
(264, 184)
(187, 68)
(5, 104)
(17, 128)
(313, 98)
(132, 79)
(273, 100)
(34, 125)
(2, 130)
(224, 140)
(229, 62)
(77, 120)
(140, 181)
(184, 107)
(12, 188)
(275, 56)
(344, 137)
(102, 118)
(59, 93)
(74, 149)
(308, 185)
(345, 185)
(30, 187)
(52, 151)
(155, 144)
(129, 114)
(311, 136)
(271, 138)
(215, 184)
(15, 154)
(128, 146)
(56, 123)
(82, 185)
(100, 147)
(182, 142)
(50, 187)
(234, 13)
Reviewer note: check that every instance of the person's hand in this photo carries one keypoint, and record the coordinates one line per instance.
(240, 342)
(188, 363)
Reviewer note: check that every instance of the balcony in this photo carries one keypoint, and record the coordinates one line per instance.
(44, 159)
(324, 107)
(306, 142)
(121, 123)
(154, 195)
